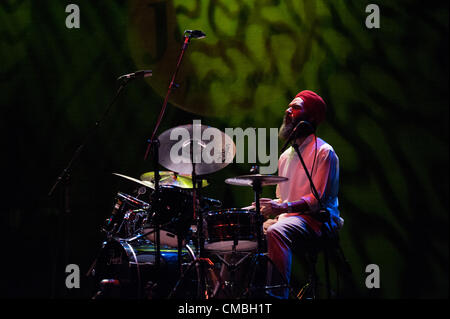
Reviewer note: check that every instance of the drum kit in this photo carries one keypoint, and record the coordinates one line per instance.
(171, 242)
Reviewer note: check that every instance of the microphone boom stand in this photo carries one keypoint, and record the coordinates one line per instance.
(65, 176)
(153, 147)
(324, 214)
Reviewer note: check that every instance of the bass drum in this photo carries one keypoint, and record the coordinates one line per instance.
(128, 270)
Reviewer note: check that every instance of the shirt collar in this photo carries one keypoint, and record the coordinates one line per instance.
(308, 140)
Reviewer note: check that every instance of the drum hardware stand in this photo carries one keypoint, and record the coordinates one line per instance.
(154, 146)
(259, 257)
(200, 261)
(232, 267)
(153, 143)
(65, 176)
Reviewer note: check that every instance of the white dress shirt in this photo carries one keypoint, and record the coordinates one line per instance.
(325, 177)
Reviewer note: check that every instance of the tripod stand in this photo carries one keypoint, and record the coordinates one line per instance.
(200, 261)
(229, 285)
(261, 258)
(257, 181)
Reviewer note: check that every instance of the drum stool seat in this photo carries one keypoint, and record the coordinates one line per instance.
(309, 252)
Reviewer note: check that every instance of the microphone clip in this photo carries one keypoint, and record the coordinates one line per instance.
(196, 34)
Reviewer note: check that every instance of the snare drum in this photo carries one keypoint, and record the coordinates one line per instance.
(231, 229)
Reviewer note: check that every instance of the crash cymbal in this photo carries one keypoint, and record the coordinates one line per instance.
(208, 148)
(143, 183)
(249, 180)
(171, 179)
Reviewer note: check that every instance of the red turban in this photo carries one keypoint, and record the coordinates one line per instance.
(314, 106)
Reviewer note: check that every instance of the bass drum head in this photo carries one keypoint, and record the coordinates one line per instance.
(167, 237)
(128, 270)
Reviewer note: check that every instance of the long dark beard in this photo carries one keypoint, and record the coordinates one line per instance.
(286, 128)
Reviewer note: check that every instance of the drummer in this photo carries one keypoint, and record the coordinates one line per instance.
(291, 217)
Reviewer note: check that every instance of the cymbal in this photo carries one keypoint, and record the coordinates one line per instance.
(249, 180)
(207, 147)
(172, 179)
(143, 183)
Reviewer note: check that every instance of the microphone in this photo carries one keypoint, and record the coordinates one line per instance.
(137, 74)
(293, 134)
(196, 34)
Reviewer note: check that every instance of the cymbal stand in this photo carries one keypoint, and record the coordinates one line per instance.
(200, 260)
(154, 143)
(198, 214)
(259, 257)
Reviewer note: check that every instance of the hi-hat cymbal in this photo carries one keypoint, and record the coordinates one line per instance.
(250, 180)
(172, 179)
(207, 147)
(143, 183)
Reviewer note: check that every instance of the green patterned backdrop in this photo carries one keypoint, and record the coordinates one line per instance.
(387, 92)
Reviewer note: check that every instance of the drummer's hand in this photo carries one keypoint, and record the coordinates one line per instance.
(271, 208)
(268, 223)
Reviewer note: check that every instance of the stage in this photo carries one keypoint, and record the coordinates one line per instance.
(95, 94)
